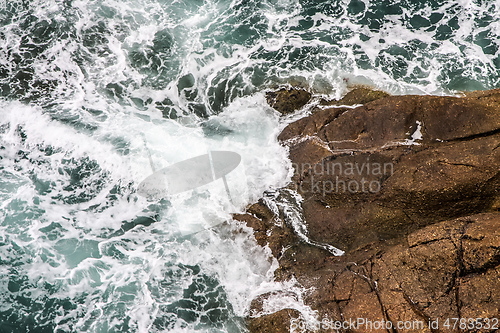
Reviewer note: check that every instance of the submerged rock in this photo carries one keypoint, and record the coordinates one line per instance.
(286, 101)
(409, 187)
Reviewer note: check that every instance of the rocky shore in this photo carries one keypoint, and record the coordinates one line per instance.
(408, 187)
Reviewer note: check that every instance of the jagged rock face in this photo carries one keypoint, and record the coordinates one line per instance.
(450, 269)
(409, 187)
(358, 95)
(432, 274)
(288, 100)
(395, 164)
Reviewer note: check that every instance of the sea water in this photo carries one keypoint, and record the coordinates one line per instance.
(96, 95)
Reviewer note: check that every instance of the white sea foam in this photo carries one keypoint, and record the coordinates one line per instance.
(80, 259)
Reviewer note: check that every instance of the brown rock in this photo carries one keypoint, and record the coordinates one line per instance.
(394, 119)
(311, 125)
(420, 279)
(363, 179)
(278, 322)
(479, 295)
(423, 242)
(268, 231)
(360, 95)
(288, 100)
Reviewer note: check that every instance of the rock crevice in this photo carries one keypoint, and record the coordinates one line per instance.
(422, 236)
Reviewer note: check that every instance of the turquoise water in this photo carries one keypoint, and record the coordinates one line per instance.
(90, 89)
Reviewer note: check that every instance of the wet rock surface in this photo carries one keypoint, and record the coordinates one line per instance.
(395, 164)
(358, 95)
(409, 187)
(288, 100)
